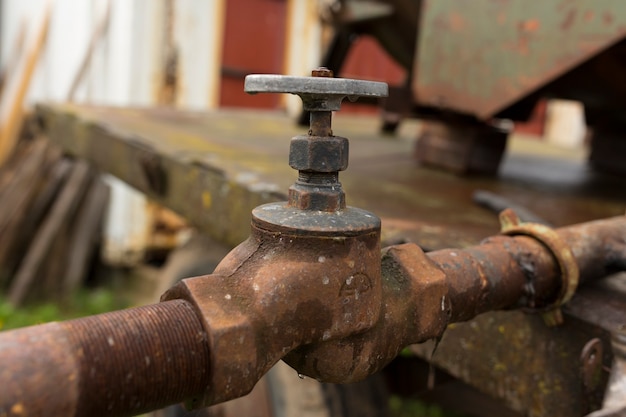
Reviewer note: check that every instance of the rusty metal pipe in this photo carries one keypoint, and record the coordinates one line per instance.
(502, 272)
(520, 271)
(342, 315)
(509, 271)
(423, 293)
(114, 364)
(599, 247)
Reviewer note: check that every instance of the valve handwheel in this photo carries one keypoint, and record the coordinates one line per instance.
(319, 92)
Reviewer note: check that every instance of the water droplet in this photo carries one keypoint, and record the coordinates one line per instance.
(453, 254)
(321, 259)
(301, 376)
(326, 335)
(349, 280)
(255, 287)
(431, 367)
(227, 296)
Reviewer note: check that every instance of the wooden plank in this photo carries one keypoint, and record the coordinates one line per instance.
(54, 180)
(49, 272)
(63, 208)
(17, 195)
(24, 225)
(51, 183)
(13, 165)
(12, 101)
(86, 232)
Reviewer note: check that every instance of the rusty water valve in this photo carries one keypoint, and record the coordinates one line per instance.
(311, 266)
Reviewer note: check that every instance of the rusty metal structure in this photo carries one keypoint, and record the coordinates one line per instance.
(470, 63)
(311, 286)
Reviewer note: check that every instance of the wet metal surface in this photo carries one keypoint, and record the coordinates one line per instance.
(516, 357)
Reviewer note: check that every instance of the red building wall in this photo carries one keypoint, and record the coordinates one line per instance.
(254, 42)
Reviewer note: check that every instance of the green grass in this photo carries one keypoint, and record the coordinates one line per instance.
(83, 303)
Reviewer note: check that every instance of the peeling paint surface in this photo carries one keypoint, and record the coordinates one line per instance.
(478, 57)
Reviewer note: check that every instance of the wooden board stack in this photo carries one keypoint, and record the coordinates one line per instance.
(51, 215)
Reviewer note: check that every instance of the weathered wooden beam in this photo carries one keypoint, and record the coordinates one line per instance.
(63, 209)
(85, 234)
(18, 190)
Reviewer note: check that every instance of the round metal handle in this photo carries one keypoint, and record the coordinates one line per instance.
(317, 93)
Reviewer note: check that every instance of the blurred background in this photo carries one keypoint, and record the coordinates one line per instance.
(188, 54)
(194, 54)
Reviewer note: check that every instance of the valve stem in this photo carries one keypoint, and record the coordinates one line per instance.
(320, 122)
